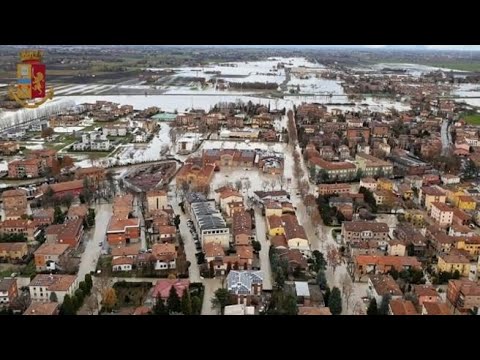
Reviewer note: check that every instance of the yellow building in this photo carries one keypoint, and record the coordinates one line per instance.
(414, 216)
(430, 194)
(466, 203)
(275, 225)
(450, 263)
(13, 251)
(273, 208)
(470, 244)
(384, 184)
(452, 195)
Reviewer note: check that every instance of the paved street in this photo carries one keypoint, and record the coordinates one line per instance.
(446, 137)
(139, 214)
(261, 231)
(92, 249)
(211, 285)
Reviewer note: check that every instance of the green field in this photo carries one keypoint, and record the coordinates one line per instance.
(473, 119)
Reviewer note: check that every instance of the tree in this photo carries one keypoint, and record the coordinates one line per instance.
(323, 176)
(53, 297)
(83, 286)
(471, 170)
(68, 308)
(322, 280)
(333, 257)
(238, 185)
(320, 262)
(212, 269)
(47, 132)
(186, 303)
(289, 305)
(173, 301)
(58, 216)
(326, 296)
(383, 310)
(159, 308)
(257, 246)
(221, 299)
(372, 307)
(347, 288)
(89, 282)
(335, 301)
(109, 299)
(176, 221)
(196, 305)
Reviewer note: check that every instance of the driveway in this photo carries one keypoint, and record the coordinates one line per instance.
(92, 251)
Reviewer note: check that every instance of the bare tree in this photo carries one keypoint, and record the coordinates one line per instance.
(282, 181)
(347, 288)
(173, 134)
(273, 183)
(100, 285)
(238, 185)
(264, 184)
(247, 185)
(316, 218)
(333, 257)
(68, 265)
(91, 303)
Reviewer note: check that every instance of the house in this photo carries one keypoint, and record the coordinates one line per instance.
(296, 260)
(43, 308)
(273, 208)
(357, 231)
(242, 228)
(44, 216)
(8, 148)
(295, 234)
(163, 286)
(460, 231)
(460, 217)
(165, 255)
(385, 184)
(401, 307)
(463, 295)
(371, 264)
(214, 253)
(229, 196)
(14, 203)
(368, 183)
(122, 263)
(125, 251)
(46, 156)
(78, 211)
(405, 191)
(452, 262)
(470, 244)
(19, 169)
(373, 166)
(278, 242)
(48, 256)
(123, 231)
(13, 251)
(8, 291)
(426, 293)
(396, 248)
(415, 217)
(329, 189)
(156, 199)
(450, 179)
(43, 285)
(70, 232)
(277, 195)
(442, 213)
(382, 197)
(441, 242)
(164, 233)
(244, 284)
(435, 308)
(382, 285)
(187, 143)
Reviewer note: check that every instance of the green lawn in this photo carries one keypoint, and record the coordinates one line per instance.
(473, 119)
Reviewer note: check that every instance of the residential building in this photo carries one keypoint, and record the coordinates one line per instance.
(357, 231)
(470, 244)
(441, 213)
(19, 169)
(239, 309)
(373, 166)
(78, 211)
(43, 308)
(156, 199)
(70, 232)
(8, 291)
(125, 251)
(396, 248)
(371, 264)
(163, 286)
(210, 224)
(122, 263)
(431, 194)
(450, 179)
(94, 174)
(67, 188)
(49, 256)
(460, 217)
(14, 203)
(330, 189)
(10, 251)
(426, 293)
(242, 228)
(295, 234)
(435, 308)
(463, 295)
(415, 217)
(383, 197)
(368, 183)
(385, 184)
(27, 228)
(227, 197)
(43, 285)
(466, 203)
(401, 307)
(383, 285)
(336, 171)
(44, 216)
(195, 177)
(187, 143)
(454, 262)
(123, 231)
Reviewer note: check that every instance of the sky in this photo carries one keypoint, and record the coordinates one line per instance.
(402, 47)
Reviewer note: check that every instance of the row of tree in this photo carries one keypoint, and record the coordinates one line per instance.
(186, 305)
(71, 304)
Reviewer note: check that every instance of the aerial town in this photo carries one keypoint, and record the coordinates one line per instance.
(241, 182)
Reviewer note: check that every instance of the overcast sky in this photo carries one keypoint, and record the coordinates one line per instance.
(406, 47)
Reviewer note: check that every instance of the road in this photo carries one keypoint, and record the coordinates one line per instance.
(264, 258)
(446, 137)
(139, 215)
(92, 251)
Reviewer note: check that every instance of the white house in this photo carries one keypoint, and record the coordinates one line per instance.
(43, 285)
(123, 263)
(450, 179)
(187, 143)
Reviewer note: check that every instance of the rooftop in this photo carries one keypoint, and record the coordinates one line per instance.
(402, 307)
(435, 308)
(42, 308)
(52, 249)
(54, 282)
(357, 226)
(385, 284)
